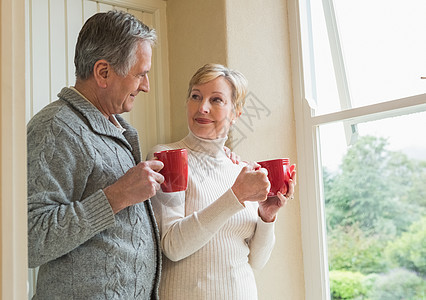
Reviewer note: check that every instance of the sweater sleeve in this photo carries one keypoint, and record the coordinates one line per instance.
(261, 244)
(183, 235)
(60, 218)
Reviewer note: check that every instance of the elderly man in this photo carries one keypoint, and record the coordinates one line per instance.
(91, 227)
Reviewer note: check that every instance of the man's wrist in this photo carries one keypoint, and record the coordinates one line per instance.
(116, 205)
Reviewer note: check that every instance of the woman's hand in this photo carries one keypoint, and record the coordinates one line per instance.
(252, 184)
(268, 209)
(232, 156)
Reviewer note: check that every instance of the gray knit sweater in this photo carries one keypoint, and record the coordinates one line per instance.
(85, 251)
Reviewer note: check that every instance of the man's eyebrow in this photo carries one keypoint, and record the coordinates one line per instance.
(142, 73)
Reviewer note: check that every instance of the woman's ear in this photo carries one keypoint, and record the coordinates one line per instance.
(101, 72)
(236, 116)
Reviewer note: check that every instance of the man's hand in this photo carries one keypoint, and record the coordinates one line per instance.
(137, 185)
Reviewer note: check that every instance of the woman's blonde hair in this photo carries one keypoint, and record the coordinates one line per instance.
(237, 80)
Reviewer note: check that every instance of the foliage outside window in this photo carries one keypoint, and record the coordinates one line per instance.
(360, 106)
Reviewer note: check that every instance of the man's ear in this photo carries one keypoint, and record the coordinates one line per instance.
(101, 72)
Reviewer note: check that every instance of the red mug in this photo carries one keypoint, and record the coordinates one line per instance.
(175, 170)
(279, 173)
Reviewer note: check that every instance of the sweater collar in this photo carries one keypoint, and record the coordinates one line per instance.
(212, 148)
(95, 118)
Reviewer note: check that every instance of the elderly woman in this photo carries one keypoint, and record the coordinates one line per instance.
(222, 226)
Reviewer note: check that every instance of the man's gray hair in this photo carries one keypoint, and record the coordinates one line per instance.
(113, 36)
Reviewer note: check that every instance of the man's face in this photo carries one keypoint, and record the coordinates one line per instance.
(123, 90)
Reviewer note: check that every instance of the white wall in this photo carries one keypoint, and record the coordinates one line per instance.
(258, 45)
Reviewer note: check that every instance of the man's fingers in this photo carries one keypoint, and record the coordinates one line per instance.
(158, 178)
(156, 165)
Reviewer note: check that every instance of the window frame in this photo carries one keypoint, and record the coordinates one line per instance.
(314, 242)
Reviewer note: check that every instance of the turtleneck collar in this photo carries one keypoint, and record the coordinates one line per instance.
(213, 148)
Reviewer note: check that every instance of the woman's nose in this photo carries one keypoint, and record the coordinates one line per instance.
(204, 106)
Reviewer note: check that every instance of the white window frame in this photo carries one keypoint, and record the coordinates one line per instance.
(309, 160)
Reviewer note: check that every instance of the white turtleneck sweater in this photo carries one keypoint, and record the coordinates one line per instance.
(210, 241)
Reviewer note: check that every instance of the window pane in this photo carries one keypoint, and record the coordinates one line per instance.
(324, 77)
(383, 44)
(375, 207)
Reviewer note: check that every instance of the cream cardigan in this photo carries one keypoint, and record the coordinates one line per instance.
(209, 240)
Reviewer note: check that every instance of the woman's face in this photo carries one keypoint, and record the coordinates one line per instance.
(210, 110)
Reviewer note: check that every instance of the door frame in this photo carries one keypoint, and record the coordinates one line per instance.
(13, 211)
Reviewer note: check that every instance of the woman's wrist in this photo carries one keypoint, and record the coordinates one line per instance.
(267, 219)
(237, 194)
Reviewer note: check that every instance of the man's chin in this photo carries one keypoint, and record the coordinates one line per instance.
(128, 107)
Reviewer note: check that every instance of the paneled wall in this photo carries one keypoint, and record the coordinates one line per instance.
(52, 28)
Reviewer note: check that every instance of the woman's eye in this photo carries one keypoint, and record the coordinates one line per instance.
(195, 97)
(217, 100)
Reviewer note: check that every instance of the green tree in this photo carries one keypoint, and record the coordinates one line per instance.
(346, 285)
(368, 189)
(417, 190)
(399, 284)
(371, 200)
(350, 249)
(409, 250)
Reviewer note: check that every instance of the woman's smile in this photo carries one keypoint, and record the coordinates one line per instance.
(203, 121)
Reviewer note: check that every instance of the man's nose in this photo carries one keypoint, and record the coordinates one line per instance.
(144, 84)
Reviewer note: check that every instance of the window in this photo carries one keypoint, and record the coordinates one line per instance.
(360, 108)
